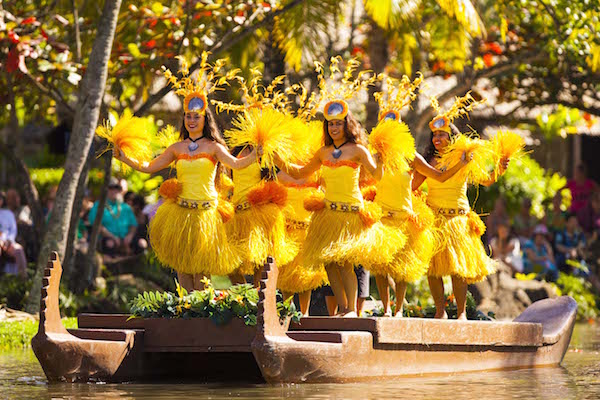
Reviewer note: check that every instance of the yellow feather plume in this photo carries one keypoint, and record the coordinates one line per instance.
(477, 169)
(507, 144)
(267, 128)
(307, 138)
(393, 141)
(130, 134)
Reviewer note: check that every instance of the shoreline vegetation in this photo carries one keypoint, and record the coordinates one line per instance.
(15, 335)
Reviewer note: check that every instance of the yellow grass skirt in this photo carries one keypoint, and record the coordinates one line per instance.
(294, 277)
(192, 241)
(461, 250)
(347, 237)
(260, 232)
(411, 261)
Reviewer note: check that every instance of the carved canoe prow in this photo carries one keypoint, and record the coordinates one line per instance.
(65, 357)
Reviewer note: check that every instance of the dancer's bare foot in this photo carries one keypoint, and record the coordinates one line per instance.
(442, 315)
(351, 314)
(399, 314)
(388, 313)
(462, 317)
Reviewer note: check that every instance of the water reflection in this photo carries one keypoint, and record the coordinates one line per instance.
(579, 377)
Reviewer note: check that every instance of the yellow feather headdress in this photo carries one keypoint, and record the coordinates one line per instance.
(461, 107)
(399, 94)
(210, 78)
(256, 95)
(338, 90)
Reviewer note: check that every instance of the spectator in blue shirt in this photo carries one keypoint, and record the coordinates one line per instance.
(118, 222)
(570, 245)
(538, 255)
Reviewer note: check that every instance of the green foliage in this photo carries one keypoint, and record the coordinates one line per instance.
(524, 178)
(13, 291)
(239, 301)
(18, 334)
(46, 178)
(581, 290)
(558, 123)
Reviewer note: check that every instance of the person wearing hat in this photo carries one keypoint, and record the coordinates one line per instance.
(539, 257)
(118, 222)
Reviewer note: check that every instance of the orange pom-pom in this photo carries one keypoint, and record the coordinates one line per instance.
(315, 202)
(370, 214)
(170, 189)
(476, 224)
(369, 193)
(226, 210)
(268, 192)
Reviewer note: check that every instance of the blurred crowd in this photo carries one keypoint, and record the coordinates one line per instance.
(563, 240)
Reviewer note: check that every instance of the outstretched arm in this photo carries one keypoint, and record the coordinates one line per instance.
(502, 166)
(424, 168)
(300, 171)
(367, 161)
(161, 162)
(232, 162)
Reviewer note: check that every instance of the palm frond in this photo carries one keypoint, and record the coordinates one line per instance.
(301, 31)
(465, 14)
(388, 14)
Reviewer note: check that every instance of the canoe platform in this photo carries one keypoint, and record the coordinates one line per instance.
(115, 348)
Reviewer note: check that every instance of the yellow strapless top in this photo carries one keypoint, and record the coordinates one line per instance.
(449, 194)
(243, 181)
(197, 177)
(295, 210)
(394, 191)
(341, 182)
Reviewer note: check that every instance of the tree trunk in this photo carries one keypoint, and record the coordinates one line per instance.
(91, 267)
(69, 260)
(379, 57)
(86, 120)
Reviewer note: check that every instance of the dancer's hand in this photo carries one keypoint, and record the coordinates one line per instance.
(118, 153)
(503, 165)
(259, 151)
(466, 158)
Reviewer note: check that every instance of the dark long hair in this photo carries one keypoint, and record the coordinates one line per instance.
(210, 131)
(431, 152)
(352, 129)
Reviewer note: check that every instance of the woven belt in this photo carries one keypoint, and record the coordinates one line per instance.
(343, 207)
(242, 206)
(196, 204)
(293, 225)
(452, 211)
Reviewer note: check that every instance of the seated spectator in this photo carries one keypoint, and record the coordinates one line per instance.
(581, 188)
(570, 245)
(137, 204)
(538, 255)
(12, 254)
(497, 216)
(524, 222)
(506, 247)
(118, 222)
(22, 212)
(555, 217)
(589, 217)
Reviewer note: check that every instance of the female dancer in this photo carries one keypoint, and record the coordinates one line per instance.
(341, 218)
(462, 255)
(401, 210)
(188, 231)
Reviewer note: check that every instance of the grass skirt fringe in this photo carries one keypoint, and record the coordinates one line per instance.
(411, 261)
(294, 277)
(192, 241)
(461, 250)
(260, 232)
(341, 237)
